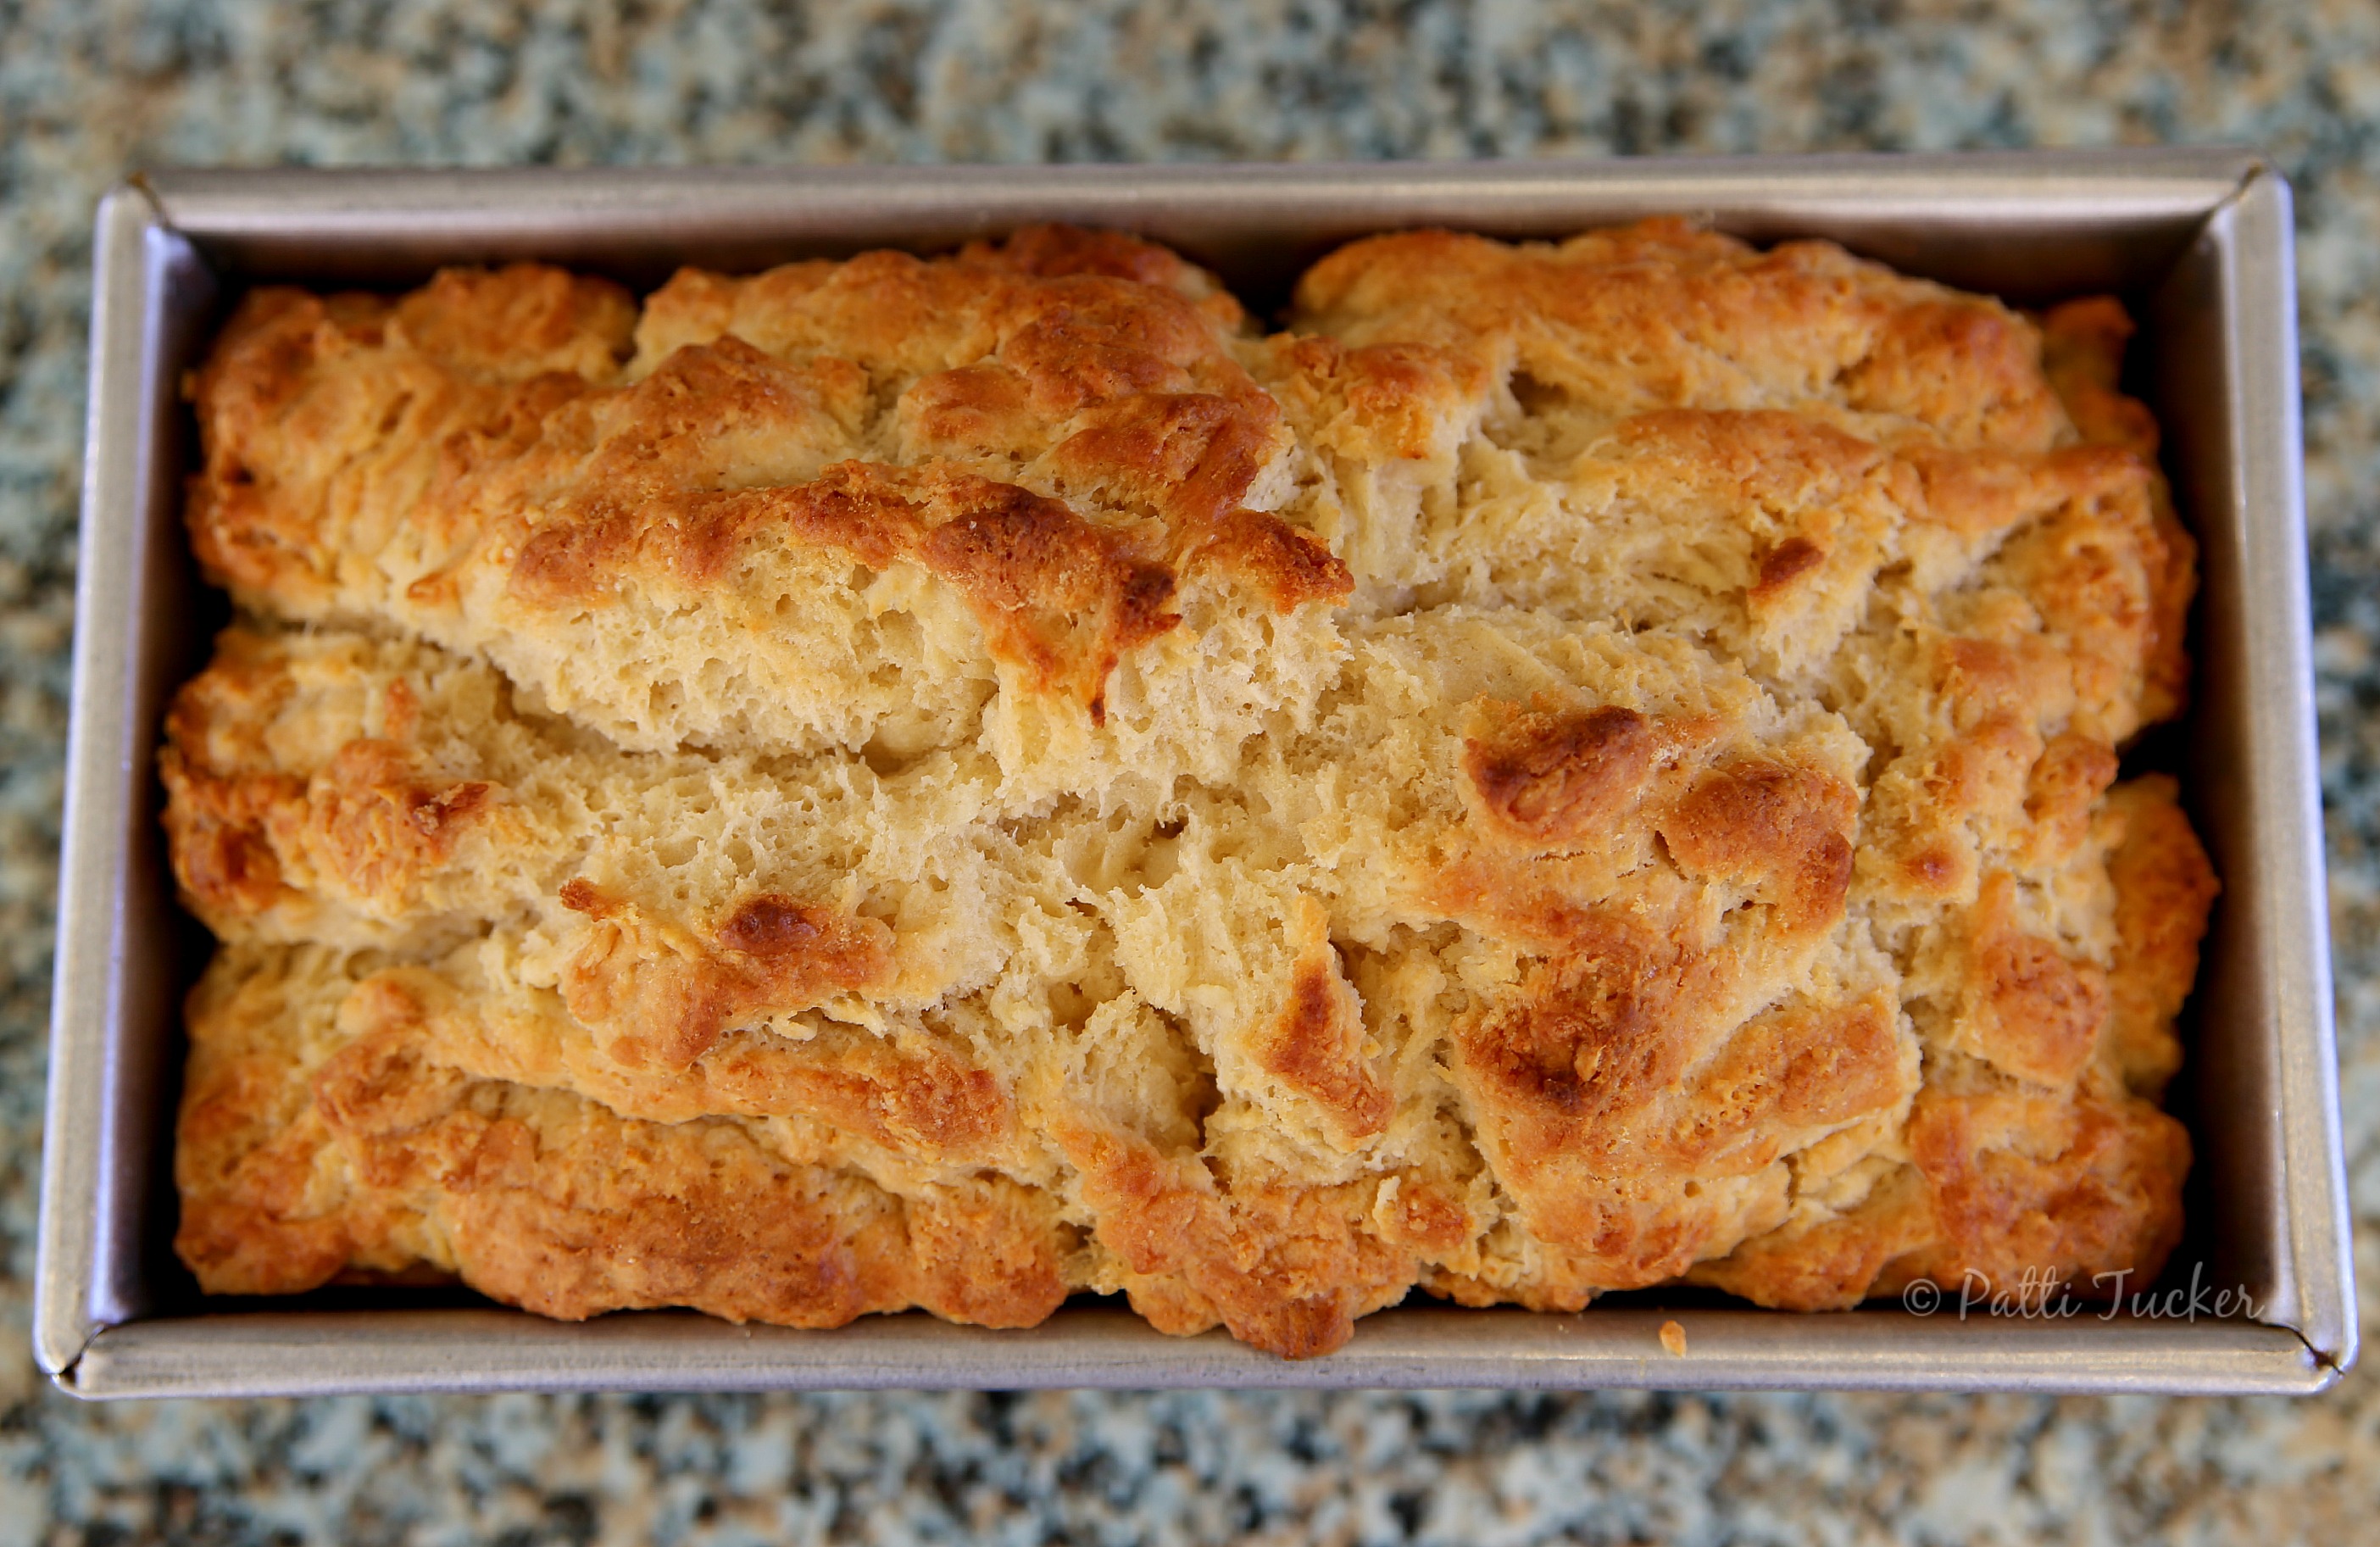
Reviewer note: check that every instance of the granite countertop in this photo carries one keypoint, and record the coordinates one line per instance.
(90, 89)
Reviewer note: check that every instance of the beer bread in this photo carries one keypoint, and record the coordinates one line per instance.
(950, 781)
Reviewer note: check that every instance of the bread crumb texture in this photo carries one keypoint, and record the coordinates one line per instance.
(953, 781)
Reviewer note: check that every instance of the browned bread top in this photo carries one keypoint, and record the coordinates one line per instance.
(946, 782)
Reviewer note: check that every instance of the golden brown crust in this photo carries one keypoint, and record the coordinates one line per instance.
(1832, 1263)
(2073, 1192)
(1557, 775)
(1054, 429)
(1057, 251)
(1056, 595)
(250, 834)
(2082, 351)
(292, 1167)
(666, 995)
(1659, 315)
(2164, 887)
(1316, 1044)
(915, 1098)
(2036, 1014)
(2082, 355)
(950, 782)
(1287, 1268)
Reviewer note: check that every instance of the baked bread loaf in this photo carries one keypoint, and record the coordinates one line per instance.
(950, 782)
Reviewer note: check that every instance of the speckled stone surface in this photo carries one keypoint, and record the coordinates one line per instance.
(90, 89)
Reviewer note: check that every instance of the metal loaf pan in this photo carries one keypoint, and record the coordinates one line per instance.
(2197, 241)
